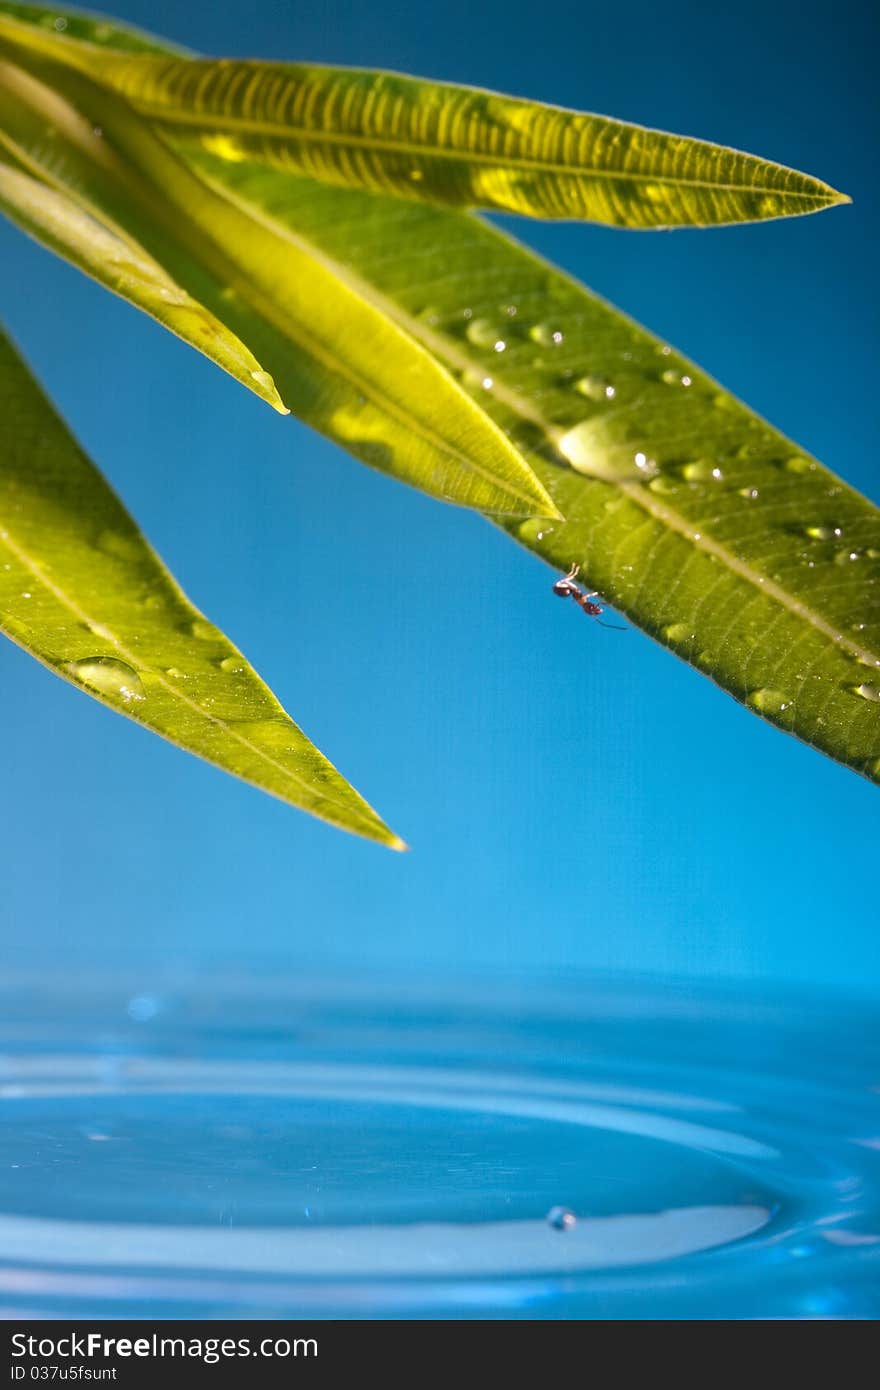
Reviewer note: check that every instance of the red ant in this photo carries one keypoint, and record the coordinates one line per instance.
(566, 588)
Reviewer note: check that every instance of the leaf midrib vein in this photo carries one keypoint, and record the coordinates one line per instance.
(208, 121)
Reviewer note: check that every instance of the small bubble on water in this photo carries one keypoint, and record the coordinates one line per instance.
(561, 1218)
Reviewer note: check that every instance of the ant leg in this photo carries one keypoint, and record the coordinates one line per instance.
(614, 627)
(573, 573)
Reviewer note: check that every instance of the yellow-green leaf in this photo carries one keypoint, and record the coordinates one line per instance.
(704, 525)
(450, 144)
(82, 591)
(122, 266)
(339, 360)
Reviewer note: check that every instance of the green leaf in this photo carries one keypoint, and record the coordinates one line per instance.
(708, 528)
(456, 145)
(95, 28)
(123, 267)
(338, 358)
(81, 590)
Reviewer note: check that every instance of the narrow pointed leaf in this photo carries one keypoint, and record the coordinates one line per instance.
(704, 525)
(81, 590)
(54, 219)
(451, 144)
(708, 528)
(339, 360)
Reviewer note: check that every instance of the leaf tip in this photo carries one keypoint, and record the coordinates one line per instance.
(394, 842)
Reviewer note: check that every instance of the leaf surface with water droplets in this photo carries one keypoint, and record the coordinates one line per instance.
(707, 527)
(81, 590)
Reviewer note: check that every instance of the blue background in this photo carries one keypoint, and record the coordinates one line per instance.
(573, 798)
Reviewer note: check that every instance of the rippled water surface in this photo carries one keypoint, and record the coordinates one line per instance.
(246, 1147)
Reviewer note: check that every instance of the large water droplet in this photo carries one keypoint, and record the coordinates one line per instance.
(109, 676)
(867, 692)
(484, 333)
(678, 632)
(769, 701)
(547, 334)
(561, 1218)
(675, 378)
(823, 533)
(588, 449)
(749, 493)
(797, 463)
(233, 664)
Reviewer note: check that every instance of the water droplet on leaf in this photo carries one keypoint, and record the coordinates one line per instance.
(769, 701)
(483, 333)
(110, 677)
(702, 471)
(546, 334)
(595, 388)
